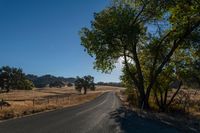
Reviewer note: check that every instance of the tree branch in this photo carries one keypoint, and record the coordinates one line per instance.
(156, 56)
(168, 56)
(138, 67)
(175, 93)
(128, 68)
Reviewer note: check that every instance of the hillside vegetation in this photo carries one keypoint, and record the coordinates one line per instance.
(49, 80)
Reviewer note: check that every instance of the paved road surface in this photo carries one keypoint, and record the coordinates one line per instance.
(102, 115)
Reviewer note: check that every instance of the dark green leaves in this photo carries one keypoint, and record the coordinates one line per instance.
(86, 82)
(13, 78)
(111, 30)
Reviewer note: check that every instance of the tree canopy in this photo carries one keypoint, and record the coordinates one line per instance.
(154, 38)
(13, 78)
(86, 82)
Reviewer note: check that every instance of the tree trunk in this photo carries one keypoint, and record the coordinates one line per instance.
(145, 105)
(85, 90)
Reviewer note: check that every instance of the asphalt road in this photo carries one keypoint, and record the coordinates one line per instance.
(102, 115)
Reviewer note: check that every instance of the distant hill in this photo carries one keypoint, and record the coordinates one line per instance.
(49, 80)
(53, 81)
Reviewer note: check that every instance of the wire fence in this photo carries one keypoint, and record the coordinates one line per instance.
(54, 99)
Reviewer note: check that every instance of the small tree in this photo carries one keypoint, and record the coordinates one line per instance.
(86, 82)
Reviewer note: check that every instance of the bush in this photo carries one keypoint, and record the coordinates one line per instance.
(57, 84)
(69, 84)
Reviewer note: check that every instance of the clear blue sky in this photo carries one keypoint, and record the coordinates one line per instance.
(41, 37)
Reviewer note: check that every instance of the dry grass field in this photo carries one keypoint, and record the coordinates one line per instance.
(188, 100)
(188, 121)
(25, 102)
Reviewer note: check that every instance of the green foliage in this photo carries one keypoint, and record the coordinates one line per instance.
(86, 82)
(69, 84)
(13, 78)
(126, 79)
(110, 32)
(79, 83)
(116, 84)
(152, 58)
(58, 84)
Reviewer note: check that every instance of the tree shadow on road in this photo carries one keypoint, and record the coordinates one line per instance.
(130, 122)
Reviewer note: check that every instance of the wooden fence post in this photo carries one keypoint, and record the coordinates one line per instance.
(48, 99)
(69, 99)
(1, 104)
(33, 102)
(56, 99)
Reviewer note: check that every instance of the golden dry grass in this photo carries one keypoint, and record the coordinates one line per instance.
(36, 93)
(109, 88)
(187, 100)
(184, 122)
(18, 109)
(25, 102)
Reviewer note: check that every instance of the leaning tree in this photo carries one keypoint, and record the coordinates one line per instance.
(146, 34)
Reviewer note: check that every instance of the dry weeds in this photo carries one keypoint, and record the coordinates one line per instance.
(33, 101)
(185, 122)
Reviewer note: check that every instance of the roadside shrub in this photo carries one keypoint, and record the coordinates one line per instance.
(69, 84)
(8, 113)
(132, 97)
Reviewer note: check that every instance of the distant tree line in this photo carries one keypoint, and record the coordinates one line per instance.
(13, 78)
(110, 84)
